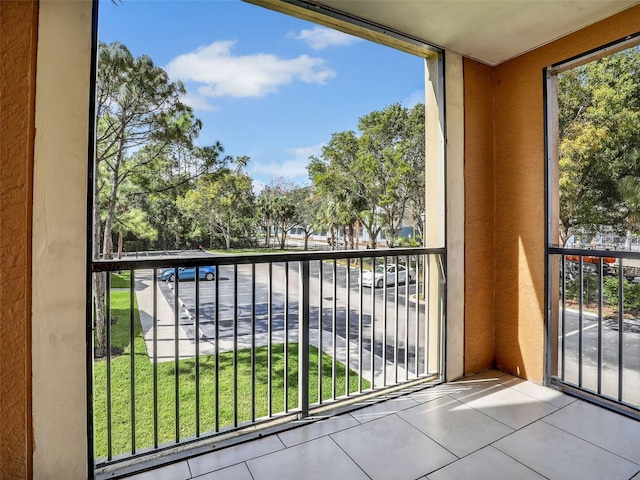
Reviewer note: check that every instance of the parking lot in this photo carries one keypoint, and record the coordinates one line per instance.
(242, 297)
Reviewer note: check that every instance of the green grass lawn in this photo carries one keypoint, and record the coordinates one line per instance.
(121, 388)
(120, 280)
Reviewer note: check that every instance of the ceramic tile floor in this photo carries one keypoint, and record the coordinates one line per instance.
(489, 426)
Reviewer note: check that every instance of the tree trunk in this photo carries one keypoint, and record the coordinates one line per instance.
(267, 234)
(351, 236)
(107, 245)
(99, 279)
(120, 242)
(283, 235)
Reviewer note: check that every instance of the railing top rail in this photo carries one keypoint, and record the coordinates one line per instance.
(625, 254)
(199, 260)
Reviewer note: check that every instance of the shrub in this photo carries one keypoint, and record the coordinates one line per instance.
(631, 292)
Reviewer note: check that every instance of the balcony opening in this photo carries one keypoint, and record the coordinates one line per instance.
(268, 223)
(593, 118)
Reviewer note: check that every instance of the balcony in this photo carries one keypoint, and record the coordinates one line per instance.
(255, 343)
(493, 134)
(491, 425)
(385, 416)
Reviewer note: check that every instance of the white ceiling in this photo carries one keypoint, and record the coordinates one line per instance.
(491, 31)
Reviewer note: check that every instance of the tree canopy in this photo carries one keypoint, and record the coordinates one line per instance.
(144, 148)
(599, 120)
(373, 177)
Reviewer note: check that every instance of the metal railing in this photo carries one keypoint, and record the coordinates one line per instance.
(594, 335)
(270, 337)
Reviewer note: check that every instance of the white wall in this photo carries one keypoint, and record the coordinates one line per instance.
(59, 239)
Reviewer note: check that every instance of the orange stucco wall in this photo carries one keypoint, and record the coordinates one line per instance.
(515, 88)
(479, 217)
(18, 24)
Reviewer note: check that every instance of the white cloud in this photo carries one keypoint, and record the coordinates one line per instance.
(198, 102)
(320, 37)
(303, 153)
(414, 98)
(287, 169)
(258, 186)
(220, 73)
(294, 167)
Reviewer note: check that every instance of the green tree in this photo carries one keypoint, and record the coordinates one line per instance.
(225, 202)
(133, 222)
(157, 191)
(335, 180)
(371, 178)
(392, 159)
(140, 119)
(265, 211)
(599, 117)
(278, 208)
(307, 203)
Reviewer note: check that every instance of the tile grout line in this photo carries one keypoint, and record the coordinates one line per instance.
(589, 442)
(516, 460)
(248, 442)
(246, 464)
(434, 441)
(541, 419)
(348, 456)
(478, 449)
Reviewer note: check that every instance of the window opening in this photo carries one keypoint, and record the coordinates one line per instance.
(243, 220)
(593, 119)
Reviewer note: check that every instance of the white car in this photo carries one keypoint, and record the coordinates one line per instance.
(370, 279)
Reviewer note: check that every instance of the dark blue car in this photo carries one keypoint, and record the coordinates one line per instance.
(189, 273)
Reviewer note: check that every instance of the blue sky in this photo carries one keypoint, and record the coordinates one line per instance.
(264, 84)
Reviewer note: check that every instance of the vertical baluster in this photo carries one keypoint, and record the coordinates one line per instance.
(580, 317)
(346, 321)
(384, 320)
(216, 350)
(320, 350)
(197, 347)
(155, 358)
(360, 327)
(235, 345)
(132, 343)
(396, 331)
(253, 342)
(108, 354)
(269, 340)
(600, 299)
(427, 314)
(406, 318)
(564, 317)
(373, 324)
(620, 327)
(303, 340)
(286, 336)
(416, 342)
(334, 325)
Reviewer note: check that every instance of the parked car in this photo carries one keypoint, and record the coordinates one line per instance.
(189, 273)
(376, 278)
